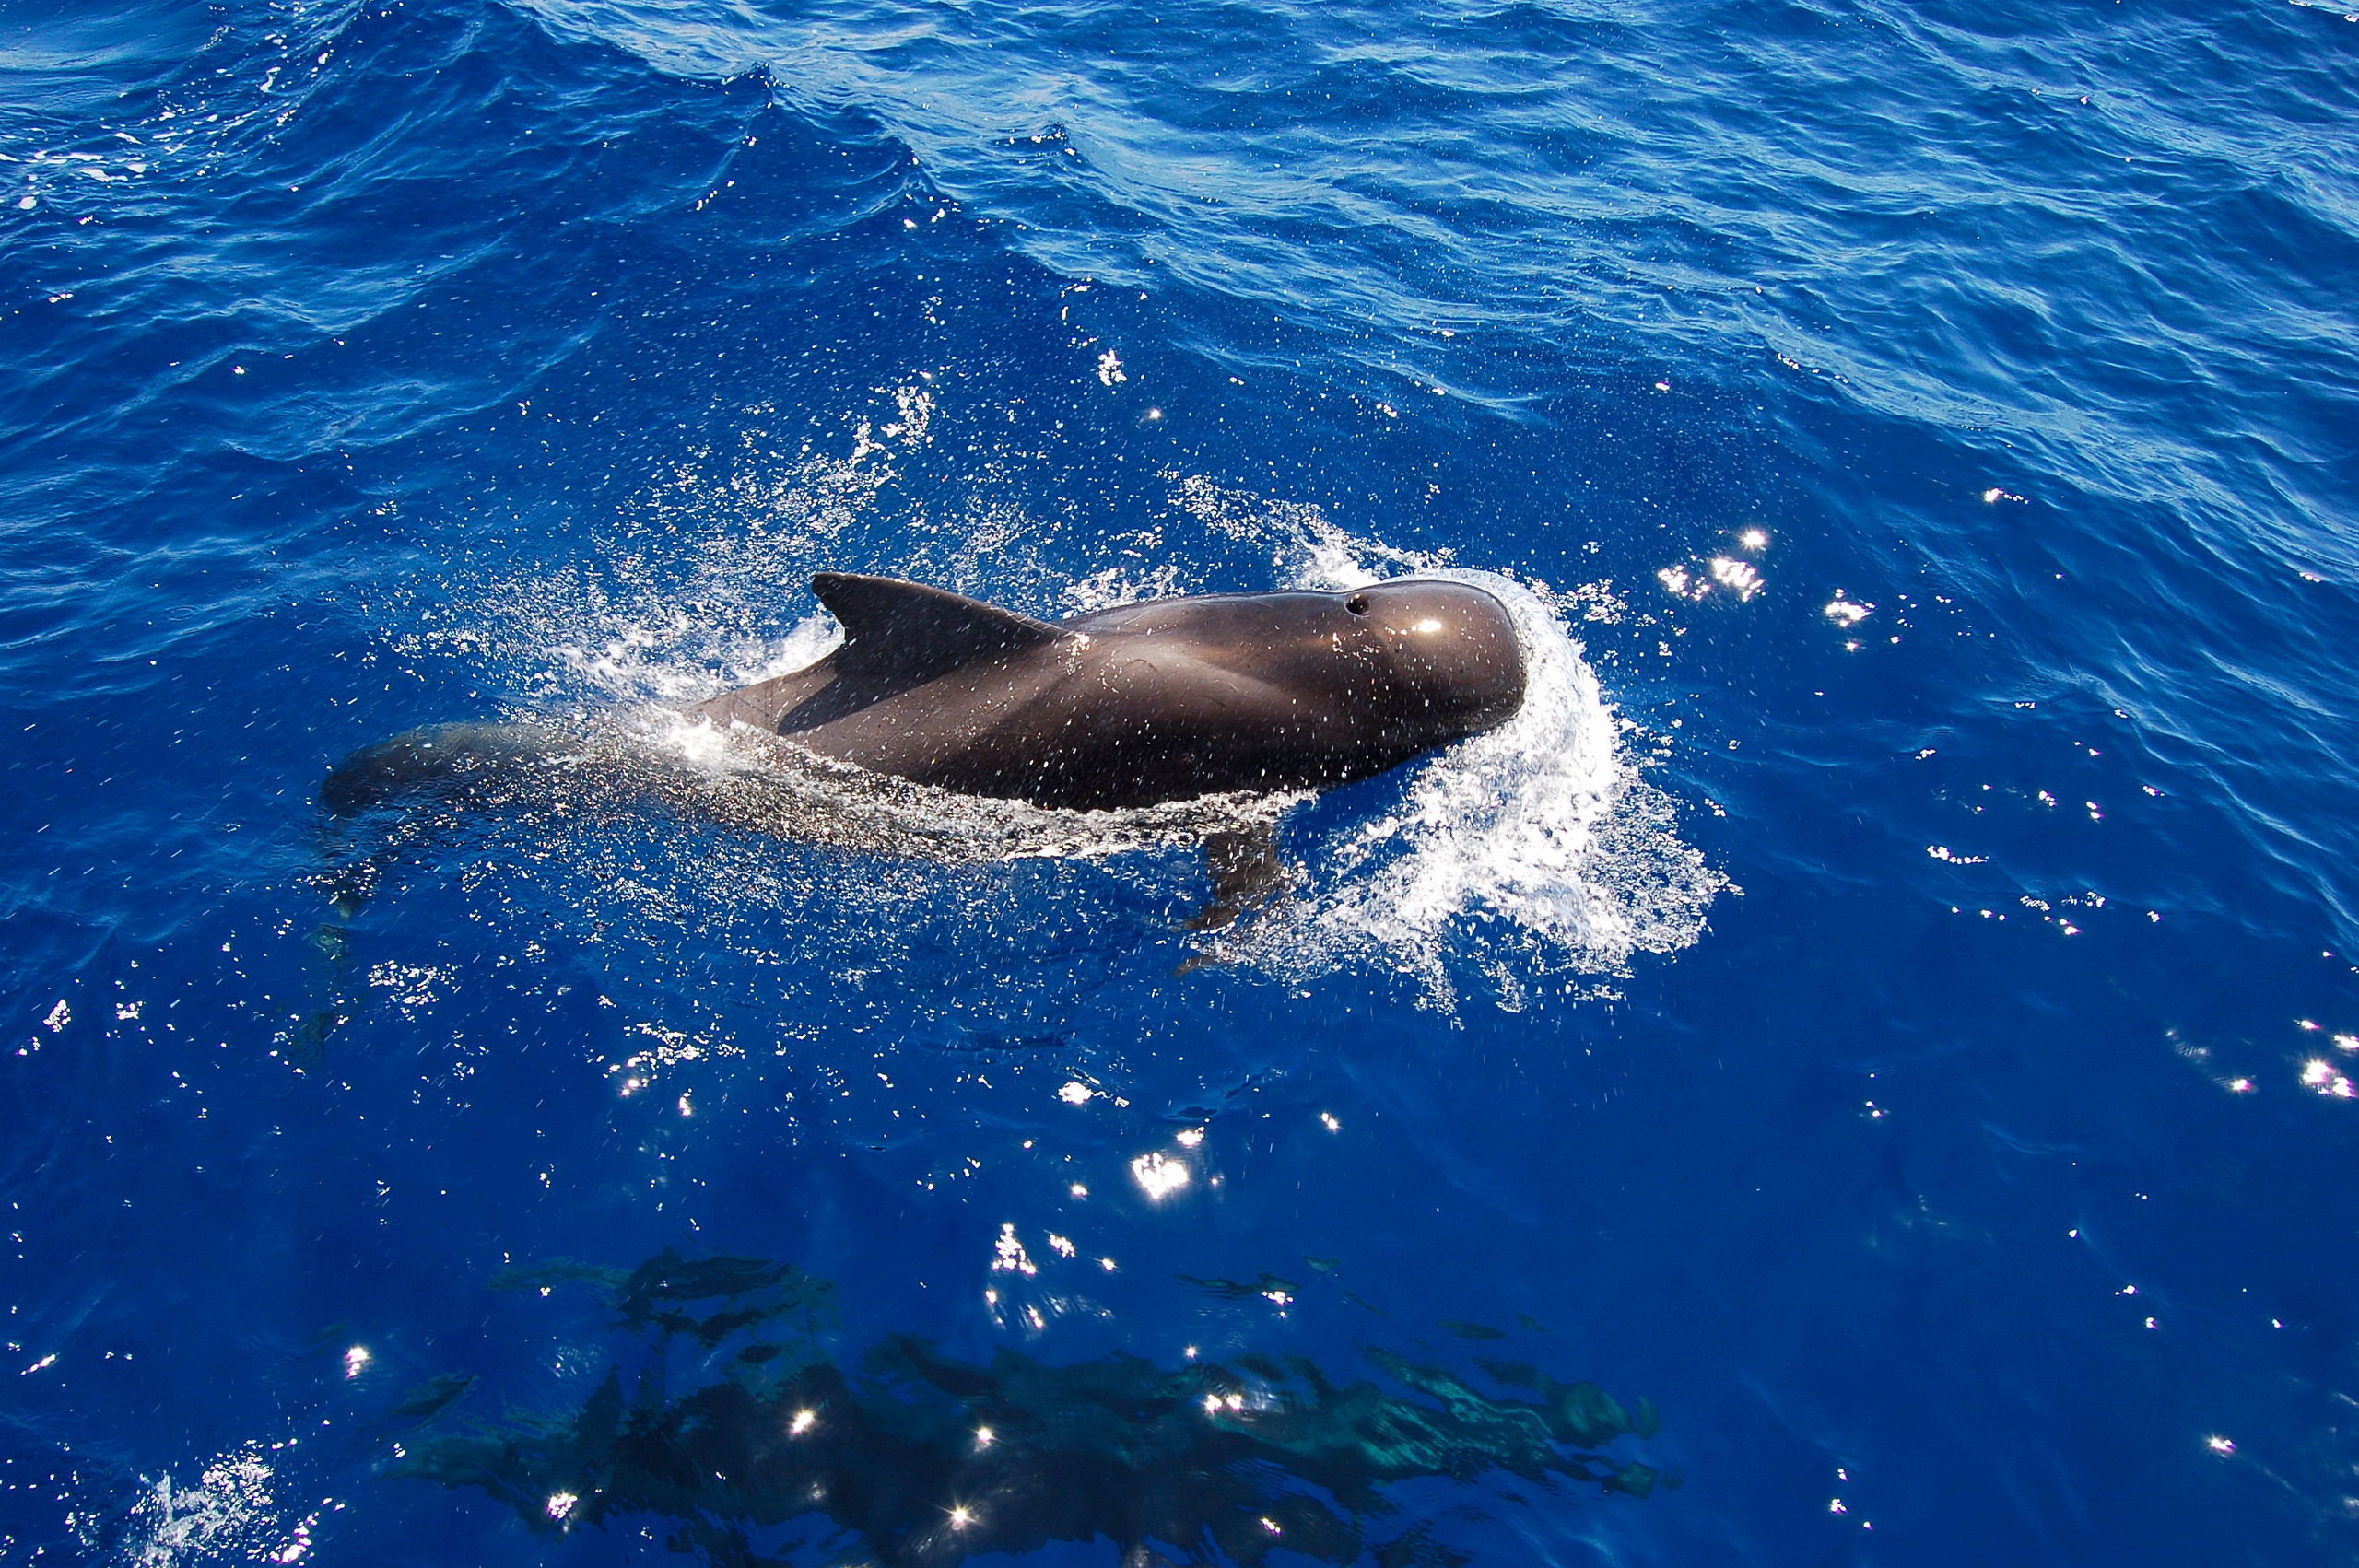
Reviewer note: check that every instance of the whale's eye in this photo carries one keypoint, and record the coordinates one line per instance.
(1356, 603)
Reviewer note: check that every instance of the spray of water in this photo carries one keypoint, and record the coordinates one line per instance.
(1528, 857)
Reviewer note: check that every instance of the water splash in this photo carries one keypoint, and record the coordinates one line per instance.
(1533, 850)
(1538, 843)
(1512, 860)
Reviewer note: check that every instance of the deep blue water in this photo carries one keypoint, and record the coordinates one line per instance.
(1883, 1006)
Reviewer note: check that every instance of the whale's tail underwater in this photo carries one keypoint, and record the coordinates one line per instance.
(477, 767)
(1129, 715)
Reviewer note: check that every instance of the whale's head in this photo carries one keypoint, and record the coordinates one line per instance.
(1455, 659)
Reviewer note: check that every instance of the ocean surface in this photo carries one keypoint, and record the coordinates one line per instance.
(1861, 1070)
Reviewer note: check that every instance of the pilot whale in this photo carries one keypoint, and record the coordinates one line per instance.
(1163, 700)
(1143, 704)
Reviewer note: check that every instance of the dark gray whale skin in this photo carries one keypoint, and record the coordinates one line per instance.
(1164, 700)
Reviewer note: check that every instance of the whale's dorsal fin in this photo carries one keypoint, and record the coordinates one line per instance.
(905, 632)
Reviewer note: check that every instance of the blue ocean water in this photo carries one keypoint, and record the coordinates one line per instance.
(1861, 1072)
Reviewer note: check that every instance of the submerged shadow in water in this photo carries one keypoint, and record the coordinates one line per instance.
(770, 1448)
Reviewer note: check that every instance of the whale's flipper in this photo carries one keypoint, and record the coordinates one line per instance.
(902, 634)
(1247, 873)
